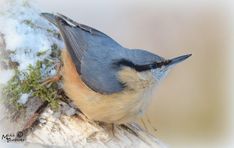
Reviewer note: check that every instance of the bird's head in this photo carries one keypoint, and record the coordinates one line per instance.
(145, 68)
(161, 68)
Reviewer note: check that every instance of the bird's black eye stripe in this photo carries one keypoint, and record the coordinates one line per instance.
(124, 62)
(163, 63)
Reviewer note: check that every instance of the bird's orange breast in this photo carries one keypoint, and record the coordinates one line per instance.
(115, 108)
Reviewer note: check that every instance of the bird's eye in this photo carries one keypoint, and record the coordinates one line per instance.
(159, 65)
(163, 63)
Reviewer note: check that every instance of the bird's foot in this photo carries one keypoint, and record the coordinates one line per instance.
(148, 127)
(55, 78)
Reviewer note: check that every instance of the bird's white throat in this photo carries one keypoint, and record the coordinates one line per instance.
(160, 74)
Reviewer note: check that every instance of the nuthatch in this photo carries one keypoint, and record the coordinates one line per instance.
(106, 81)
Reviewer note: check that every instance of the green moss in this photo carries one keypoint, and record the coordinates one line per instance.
(31, 82)
(41, 53)
(54, 33)
(54, 51)
(12, 91)
(29, 23)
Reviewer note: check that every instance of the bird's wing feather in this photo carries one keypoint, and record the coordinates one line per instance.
(86, 47)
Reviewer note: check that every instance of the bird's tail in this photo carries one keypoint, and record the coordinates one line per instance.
(71, 35)
(59, 20)
(51, 18)
(56, 19)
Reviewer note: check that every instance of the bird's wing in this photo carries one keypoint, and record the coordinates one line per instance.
(86, 47)
(78, 37)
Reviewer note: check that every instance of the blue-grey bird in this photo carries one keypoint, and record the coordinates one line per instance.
(107, 81)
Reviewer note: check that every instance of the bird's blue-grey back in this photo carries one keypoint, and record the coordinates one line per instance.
(94, 53)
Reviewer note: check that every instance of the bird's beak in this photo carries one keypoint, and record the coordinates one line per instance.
(177, 60)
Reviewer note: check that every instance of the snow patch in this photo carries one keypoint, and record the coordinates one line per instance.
(5, 76)
(26, 32)
(23, 99)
